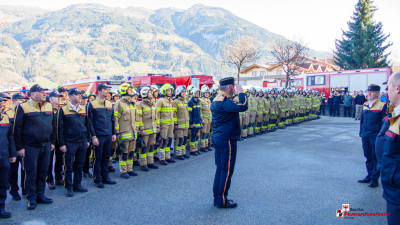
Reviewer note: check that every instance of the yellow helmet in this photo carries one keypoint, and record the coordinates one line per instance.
(166, 87)
(123, 88)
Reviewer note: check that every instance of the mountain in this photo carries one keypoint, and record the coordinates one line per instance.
(91, 39)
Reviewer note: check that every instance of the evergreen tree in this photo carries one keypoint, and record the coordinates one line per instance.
(363, 45)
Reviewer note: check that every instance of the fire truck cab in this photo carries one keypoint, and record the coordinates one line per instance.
(91, 83)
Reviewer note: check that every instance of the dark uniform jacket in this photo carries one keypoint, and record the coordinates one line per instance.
(34, 125)
(101, 116)
(225, 113)
(390, 171)
(72, 126)
(195, 112)
(7, 146)
(371, 119)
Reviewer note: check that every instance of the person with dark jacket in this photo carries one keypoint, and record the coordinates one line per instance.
(359, 102)
(8, 155)
(390, 172)
(322, 106)
(330, 104)
(371, 122)
(227, 131)
(347, 100)
(336, 103)
(34, 134)
(195, 121)
(74, 139)
(103, 133)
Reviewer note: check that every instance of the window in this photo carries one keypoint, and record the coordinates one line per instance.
(262, 73)
(254, 73)
(316, 80)
(279, 72)
(297, 83)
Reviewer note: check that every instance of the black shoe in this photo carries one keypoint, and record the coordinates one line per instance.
(203, 150)
(152, 166)
(215, 201)
(145, 168)
(88, 175)
(365, 180)
(136, 163)
(16, 197)
(209, 149)
(194, 153)
(109, 181)
(355, 119)
(99, 184)
(228, 204)
(241, 139)
(198, 152)
(124, 175)
(51, 185)
(60, 183)
(32, 204)
(163, 162)
(111, 169)
(69, 192)
(4, 214)
(186, 156)
(181, 157)
(80, 189)
(44, 200)
(374, 183)
(132, 174)
(171, 160)
(156, 158)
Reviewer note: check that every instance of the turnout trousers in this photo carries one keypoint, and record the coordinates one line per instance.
(74, 159)
(225, 158)
(36, 164)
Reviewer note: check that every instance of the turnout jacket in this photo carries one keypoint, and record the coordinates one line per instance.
(125, 112)
(72, 126)
(34, 125)
(205, 105)
(181, 113)
(225, 112)
(101, 116)
(165, 111)
(371, 119)
(195, 112)
(7, 147)
(147, 117)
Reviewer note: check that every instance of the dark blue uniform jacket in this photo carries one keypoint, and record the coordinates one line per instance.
(371, 119)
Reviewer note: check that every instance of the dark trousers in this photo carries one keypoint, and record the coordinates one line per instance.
(74, 159)
(13, 177)
(86, 164)
(58, 164)
(330, 109)
(347, 109)
(4, 168)
(336, 110)
(322, 108)
(354, 111)
(368, 145)
(225, 158)
(394, 216)
(36, 164)
(101, 157)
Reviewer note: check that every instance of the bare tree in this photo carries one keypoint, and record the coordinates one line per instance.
(244, 50)
(289, 54)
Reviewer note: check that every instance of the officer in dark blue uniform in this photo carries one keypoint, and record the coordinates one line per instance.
(226, 132)
(8, 155)
(34, 133)
(371, 122)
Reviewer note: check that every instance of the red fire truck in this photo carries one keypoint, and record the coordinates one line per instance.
(90, 83)
(197, 80)
(150, 79)
(345, 80)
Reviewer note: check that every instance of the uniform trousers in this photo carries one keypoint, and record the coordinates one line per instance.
(368, 145)
(13, 177)
(74, 159)
(58, 164)
(4, 168)
(101, 156)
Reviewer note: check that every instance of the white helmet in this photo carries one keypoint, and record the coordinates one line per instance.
(194, 90)
(135, 92)
(179, 89)
(252, 89)
(154, 88)
(205, 89)
(190, 88)
(215, 88)
(144, 91)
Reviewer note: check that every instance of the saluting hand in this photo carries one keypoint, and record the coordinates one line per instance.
(13, 160)
(114, 138)
(239, 88)
(21, 152)
(95, 141)
(63, 148)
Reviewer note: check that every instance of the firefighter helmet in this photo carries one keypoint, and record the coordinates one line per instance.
(194, 90)
(215, 88)
(154, 88)
(252, 89)
(205, 89)
(179, 89)
(190, 88)
(123, 88)
(166, 87)
(144, 91)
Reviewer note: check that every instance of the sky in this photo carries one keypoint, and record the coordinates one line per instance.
(316, 22)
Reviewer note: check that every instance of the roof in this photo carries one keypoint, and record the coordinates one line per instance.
(247, 69)
(315, 67)
(304, 65)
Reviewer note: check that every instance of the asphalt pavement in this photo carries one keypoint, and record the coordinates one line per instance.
(299, 175)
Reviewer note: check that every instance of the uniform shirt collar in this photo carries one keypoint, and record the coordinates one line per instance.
(222, 93)
(370, 104)
(76, 109)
